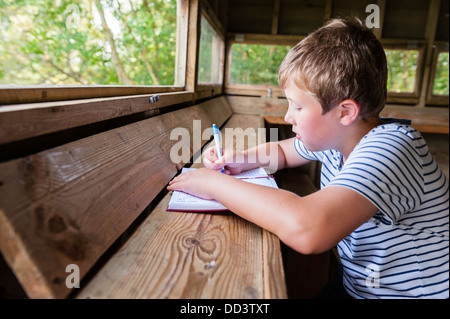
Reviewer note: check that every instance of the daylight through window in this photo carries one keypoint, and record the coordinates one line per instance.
(402, 67)
(88, 42)
(256, 63)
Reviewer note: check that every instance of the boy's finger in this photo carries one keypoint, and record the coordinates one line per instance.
(209, 164)
(219, 163)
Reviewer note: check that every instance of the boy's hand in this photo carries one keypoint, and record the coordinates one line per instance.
(232, 161)
(197, 182)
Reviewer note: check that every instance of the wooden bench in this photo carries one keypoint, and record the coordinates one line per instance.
(99, 203)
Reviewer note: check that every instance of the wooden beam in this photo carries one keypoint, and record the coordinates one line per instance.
(430, 32)
(209, 14)
(328, 10)
(379, 31)
(181, 45)
(425, 119)
(275, 16)
(258, 38)
(42, 93)
(255, 90)
(18, 122)
(193, 45)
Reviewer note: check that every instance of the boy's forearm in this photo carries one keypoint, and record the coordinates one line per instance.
(235, 194)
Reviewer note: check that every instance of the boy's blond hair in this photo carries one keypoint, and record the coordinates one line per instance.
(341, 60)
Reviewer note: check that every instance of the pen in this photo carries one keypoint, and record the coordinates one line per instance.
(218, 140)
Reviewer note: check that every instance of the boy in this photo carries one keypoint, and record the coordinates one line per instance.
(383, 199)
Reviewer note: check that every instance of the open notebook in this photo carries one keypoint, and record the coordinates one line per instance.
(187, 203)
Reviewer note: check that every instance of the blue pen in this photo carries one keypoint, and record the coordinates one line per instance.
(218, 141)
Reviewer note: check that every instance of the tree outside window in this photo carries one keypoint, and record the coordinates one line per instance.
(85, 42)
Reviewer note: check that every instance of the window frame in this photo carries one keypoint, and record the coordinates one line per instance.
(408, 97)
(275, 91)
(31, 111)
(204, 90)
(20, 94)
(263, 39)
(432, 99)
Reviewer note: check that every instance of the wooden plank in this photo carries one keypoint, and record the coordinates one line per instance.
(273, 271)
(258, 106)
(405, 19)
(193, 46)
(425, 119)
(42, 93)
(274, 279)
(424, 128)
(261, 38)
(250, 17)
(67, 205)
(275, 16)
(187, 255)
(301, 17)
(181, 44)
(278, 120)
(18, 122)
(430, 32)
(184, 255)
(382, 7)
(327, 11)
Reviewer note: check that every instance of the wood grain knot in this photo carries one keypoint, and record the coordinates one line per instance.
(72, 247)
(56, 224)
(207, 245)
(192, 242)
(60, 232)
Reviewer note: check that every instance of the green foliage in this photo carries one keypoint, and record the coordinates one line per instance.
(402, 66)
(256, 63)
(441, 79)
(63, 42)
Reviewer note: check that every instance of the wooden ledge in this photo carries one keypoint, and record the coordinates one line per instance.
(186, 255)
(192, 255)
(426, 119)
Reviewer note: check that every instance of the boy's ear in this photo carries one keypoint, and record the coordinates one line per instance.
(348, 111)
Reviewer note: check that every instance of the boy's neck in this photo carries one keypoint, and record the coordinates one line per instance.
(355, 133)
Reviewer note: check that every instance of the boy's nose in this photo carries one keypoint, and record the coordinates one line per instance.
(288, 118)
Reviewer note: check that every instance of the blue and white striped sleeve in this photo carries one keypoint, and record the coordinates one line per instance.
(388, 171)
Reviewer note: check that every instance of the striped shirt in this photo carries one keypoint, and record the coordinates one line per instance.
(402, 251)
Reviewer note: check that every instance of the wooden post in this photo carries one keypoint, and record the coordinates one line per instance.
(193, 45)
(430, 31)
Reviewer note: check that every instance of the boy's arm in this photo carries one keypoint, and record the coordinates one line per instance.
(290, 157)
(310, 224)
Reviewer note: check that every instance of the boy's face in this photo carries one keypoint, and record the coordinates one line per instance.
(318, 132)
